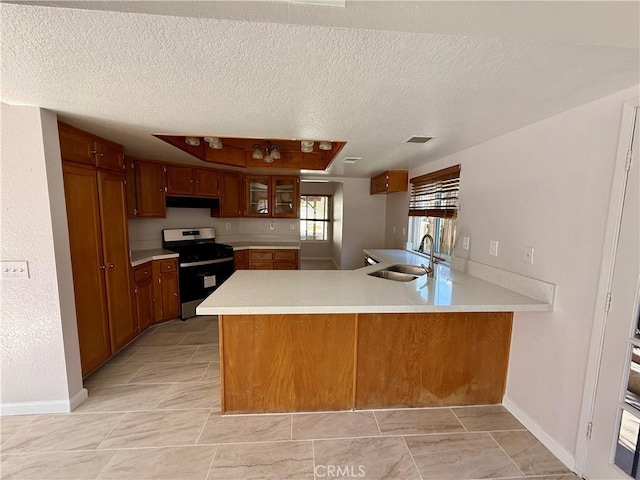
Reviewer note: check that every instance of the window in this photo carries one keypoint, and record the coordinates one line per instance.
(433, 209)
(314, 217)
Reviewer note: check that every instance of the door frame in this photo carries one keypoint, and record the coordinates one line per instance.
(607, 263)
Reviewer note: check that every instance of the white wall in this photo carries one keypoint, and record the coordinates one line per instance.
(546, 186)
(39, 346)
(397, 212)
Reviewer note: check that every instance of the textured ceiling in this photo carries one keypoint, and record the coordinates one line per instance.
(180, 70)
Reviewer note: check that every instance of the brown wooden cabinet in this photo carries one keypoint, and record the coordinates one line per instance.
(390, 181)
(144, 295)
(240, 260)
(97, 220)
(82, 147)
(231, 195)
(166, 289)
(278, 259)
(184, 180)
(145, 188)
(276, 196)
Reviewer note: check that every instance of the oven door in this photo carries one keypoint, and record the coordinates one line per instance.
(199, 279)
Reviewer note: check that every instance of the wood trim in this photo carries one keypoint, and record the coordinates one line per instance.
(221, 319)
(443, 174)
(355, 364)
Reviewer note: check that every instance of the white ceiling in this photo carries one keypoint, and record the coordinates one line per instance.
(371, 74)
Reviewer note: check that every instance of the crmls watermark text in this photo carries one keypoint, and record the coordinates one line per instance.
(345, 471)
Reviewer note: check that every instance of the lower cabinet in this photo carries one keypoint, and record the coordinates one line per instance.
(143, 295)
(166, 289)
(241, 260)
(278, 259)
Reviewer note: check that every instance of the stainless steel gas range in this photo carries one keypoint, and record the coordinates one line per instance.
(203, 264)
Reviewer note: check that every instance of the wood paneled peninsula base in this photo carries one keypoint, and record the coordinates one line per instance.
(316, 362)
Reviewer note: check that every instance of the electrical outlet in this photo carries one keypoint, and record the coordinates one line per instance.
(493, 248)
(227, 226)
(527, 255)
(465, 243)
(14, 270)
(292, 226)
(272, 226)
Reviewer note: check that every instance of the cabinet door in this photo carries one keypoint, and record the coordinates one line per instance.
(144, 303)
(231, 194)
(180, 180)
(85, 240)
(170, 296)
(258, 196)
(109, 156)
(149, 178)
(286, 196)
(206, 182)
(75, 146)
(115, 245)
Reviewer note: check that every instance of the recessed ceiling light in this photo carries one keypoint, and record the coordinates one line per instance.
(418, 139)
(351, 160)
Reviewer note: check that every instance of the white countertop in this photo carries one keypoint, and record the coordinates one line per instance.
(262, 244)
(138, 257)
(353, 291)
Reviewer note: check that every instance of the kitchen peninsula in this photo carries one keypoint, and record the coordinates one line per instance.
(337, 340)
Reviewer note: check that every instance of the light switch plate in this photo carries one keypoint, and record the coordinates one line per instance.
(527, 255)
(465, 243)
(493, 248)
(14, 269)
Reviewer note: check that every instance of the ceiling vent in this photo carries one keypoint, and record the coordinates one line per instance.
(419, 139)
(351, 160)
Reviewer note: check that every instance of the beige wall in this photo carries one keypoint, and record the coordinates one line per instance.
(397, 213)
(544, 186)
(39, 344)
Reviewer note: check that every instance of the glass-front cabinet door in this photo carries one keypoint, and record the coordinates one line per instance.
(286, 196)
(258, 204)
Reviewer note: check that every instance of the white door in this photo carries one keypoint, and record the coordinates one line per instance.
(613, 450)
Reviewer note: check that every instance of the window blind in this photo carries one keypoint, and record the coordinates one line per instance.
(435, 194)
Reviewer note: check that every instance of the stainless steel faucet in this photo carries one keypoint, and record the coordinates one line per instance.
(430, 269)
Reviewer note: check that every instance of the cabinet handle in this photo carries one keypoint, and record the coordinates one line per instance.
(102, 267)
(101, 154)
(146, 272)
(191, 181)
(111, 265)
(161, 189)
(175, 294)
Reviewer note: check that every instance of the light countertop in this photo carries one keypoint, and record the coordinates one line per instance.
(138, 257)
(353, 291)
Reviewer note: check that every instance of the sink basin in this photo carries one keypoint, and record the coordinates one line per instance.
(395, 276)
(411, 269)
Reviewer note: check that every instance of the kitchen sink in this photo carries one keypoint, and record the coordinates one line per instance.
(395, 276)
(410, 269)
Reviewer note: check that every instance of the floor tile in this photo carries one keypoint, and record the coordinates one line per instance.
(212, 374)
(111, 374)
(208, 353)
(122, 398)
(418, 421)
(63, 432)
(157, 429)
(283, 460)
(208, 337)
(179, 354)
(246, 428)
(160, 339)
(529, 454)
(334, 425)
(371, 458)
(170, 373)
(55, 466)
(10, 424)
(180, 326)
(460, 456)
(487, 418)
(123, 355)
(192, 396)
(168, 463)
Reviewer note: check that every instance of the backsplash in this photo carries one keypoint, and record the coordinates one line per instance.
(145, 233)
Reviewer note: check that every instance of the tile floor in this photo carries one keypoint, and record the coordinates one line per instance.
(153, 413)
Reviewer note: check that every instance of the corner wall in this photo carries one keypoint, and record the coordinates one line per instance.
(39, 348)
(545, 186)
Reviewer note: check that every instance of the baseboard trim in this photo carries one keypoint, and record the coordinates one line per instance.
(39, 408)
(554, 447)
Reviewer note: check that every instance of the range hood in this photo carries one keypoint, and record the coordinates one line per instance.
(192, 202)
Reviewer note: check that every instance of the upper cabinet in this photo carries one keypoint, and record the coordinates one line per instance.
(145, 188)
(81, 147)
(390, 181)
(272, 196)
(231, 195)
(184, 180)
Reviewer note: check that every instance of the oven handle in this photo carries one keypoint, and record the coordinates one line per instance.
(207, 262)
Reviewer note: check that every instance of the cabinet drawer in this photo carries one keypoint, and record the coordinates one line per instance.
(285, 266)
(261, 255)
(262, 266)
(142, 272)
(286, 255)
(240, 256)
(168, 266)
